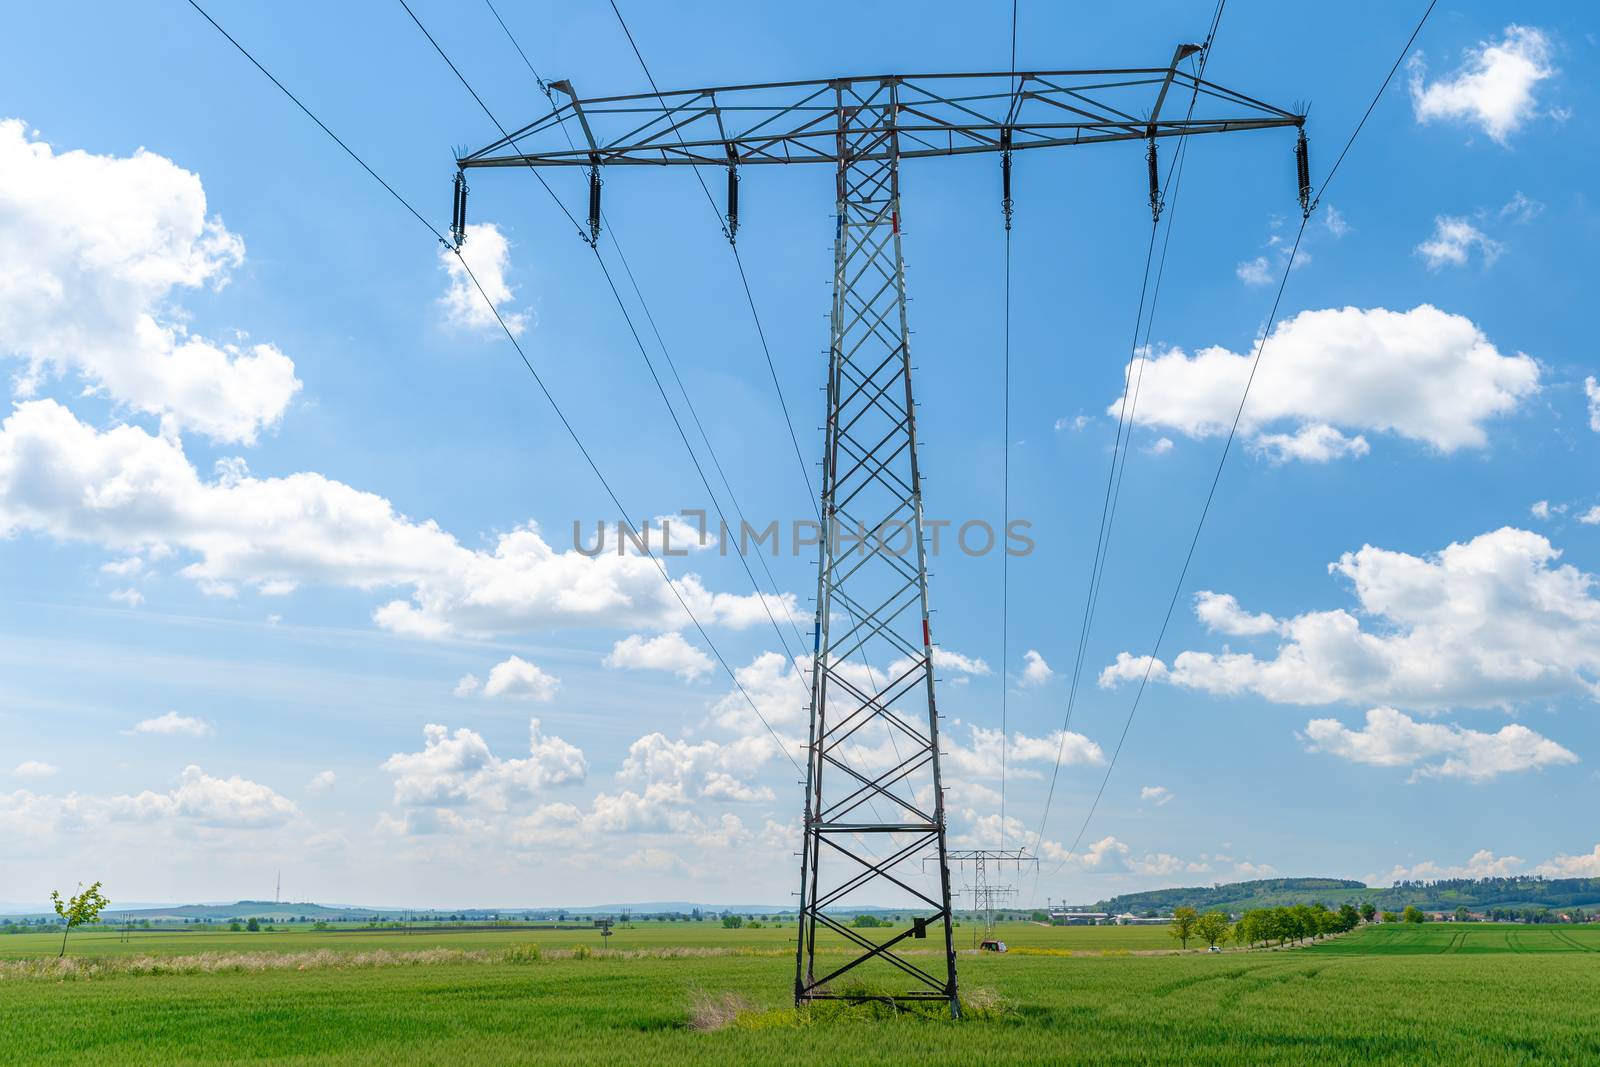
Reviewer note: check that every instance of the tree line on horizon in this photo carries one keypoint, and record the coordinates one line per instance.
(1513, 893)
(1284, 924)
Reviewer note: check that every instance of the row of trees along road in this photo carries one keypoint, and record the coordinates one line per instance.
(1301, 922)
(1266, 925)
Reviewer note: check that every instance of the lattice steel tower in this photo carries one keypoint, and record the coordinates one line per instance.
(873, 813)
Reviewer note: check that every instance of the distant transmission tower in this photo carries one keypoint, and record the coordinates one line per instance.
(986, 895)
(872, 587)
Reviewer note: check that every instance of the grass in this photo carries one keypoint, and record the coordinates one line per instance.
(1391, 995)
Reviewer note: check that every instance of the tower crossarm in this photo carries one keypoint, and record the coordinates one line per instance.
(933, 115)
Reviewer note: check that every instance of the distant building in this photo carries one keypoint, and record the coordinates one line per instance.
(1078, 918)
(1127, 918)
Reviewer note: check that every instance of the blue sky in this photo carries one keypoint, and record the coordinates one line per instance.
(269, 496)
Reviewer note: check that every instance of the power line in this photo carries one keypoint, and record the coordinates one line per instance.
(660, 342)
(799, 674)
(1233, 430)
(1125, 417)
(1005, 465)
(655, 329)
(761, 333)
(728, 232)
(539, 381)
(694, 459)
(526, 61)
(794, 438)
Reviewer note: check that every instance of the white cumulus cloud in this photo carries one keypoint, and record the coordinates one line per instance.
(1422, 374)
(980, 756)
(173, 724)
(1490, 622)
(488, 253)
(200, 798)
(1221, 612)
(679, 771)
(94, 253)
(32, 768)
(1255, 271)
(1111, 856)
(518, 679)
(1436, 750)
(1453, 241)
(1584, 865)
(664, 652)
(131, 491)
(1482, 864)
(1591, 390)
(1493, 88)
(455, 769)
(1156, 794)
(1036, 671)
(1314, 442)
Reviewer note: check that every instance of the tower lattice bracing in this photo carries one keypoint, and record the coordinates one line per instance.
(874, 806)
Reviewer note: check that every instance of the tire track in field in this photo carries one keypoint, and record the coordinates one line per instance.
(1179, 985)
(1250, 985)
(1577, 945)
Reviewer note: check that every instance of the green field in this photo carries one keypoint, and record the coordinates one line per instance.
(1480, 994)
(643, 935)
(1434, 939)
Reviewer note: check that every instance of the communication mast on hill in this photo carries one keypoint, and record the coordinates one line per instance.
(872, 588)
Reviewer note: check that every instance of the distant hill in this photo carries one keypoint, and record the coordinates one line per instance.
(245, 909)
(1240, 896)
(1444, 895)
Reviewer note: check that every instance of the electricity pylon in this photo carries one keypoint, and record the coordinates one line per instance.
(986, 895)
(872, 588)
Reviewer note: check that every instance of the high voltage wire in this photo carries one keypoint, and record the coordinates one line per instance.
(798, 673)
(655, 377)
(760, 331)
(794, 438)
(1233, 430)
(656, 330)
(638, 341)
(1005, 471)
(733, 246)
(1121, 445)
(661, 343)
(527, 363)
